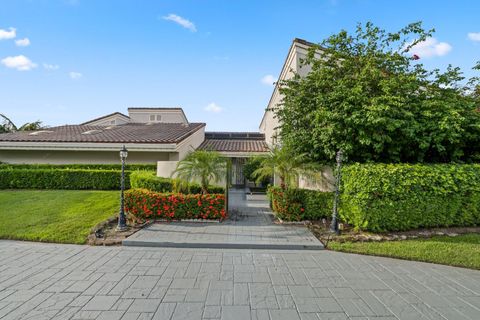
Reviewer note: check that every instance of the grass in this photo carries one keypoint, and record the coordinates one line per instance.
(63, 216)
(460, 251)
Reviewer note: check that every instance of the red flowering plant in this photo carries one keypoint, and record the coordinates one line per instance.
(286, 204)
(144, 205)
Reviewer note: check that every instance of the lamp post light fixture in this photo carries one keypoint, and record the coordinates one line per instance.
(122, 221)
(334, 224)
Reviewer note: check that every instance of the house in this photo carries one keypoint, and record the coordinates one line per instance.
(269, 125)
(292, 65)
(152, 135)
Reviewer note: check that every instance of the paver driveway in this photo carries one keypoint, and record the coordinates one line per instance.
(47, 281)
(249, 226)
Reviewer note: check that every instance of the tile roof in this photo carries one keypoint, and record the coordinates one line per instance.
(126, 133)
(105, 116)
(234, 142)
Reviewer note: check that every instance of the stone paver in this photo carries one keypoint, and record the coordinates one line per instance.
(49, 281)
(249, 226)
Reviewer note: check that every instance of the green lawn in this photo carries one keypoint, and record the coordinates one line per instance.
(461, 251)
(64, 216)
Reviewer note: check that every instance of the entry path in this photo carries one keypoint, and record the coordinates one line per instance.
(249, 226)
(48, 281)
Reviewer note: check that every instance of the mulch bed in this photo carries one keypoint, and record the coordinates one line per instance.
(105, 233)
(322, 232)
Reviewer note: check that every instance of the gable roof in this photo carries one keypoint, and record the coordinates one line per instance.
(125, 133)
(295, 43)
(106, 116)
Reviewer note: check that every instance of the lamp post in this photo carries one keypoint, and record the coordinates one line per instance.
(122, 221)
(334, 224)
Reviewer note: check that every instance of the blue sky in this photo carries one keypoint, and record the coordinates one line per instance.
(84, 59)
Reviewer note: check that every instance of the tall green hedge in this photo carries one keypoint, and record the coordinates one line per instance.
(75, 179)
(300, 204)
(148, 180)
(395, 197)
(128, 166)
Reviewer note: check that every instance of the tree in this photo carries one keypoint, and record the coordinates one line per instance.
(203, 166)
(369, 95)
(8, 126)
(252, 164)
(287, 166)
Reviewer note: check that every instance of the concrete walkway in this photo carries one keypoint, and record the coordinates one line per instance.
(249, 226)
(47, 281)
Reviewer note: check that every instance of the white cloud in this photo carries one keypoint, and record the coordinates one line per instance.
(25, 42)
(474, 36)
(8, 34)
(431, 47)
(20, 63)
(51, 66)
(75, 75)
(213, 107)
(269, 80)
(187, 24)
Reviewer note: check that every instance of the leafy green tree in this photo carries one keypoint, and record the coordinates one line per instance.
(252, 164)
(369, 95)
(8, 126)
(203, 166)
(287, 166)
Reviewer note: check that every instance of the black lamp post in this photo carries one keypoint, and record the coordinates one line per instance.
(334, 225)
(122, 221)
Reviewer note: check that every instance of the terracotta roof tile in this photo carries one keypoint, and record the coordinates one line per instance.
(127, 133)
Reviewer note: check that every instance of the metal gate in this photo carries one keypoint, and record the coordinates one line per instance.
(238, 179)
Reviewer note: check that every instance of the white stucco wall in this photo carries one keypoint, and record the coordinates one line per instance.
(69, 157)
(190, 144)
(166, 168)
(167, 116)
(293, 65)
(325, 182)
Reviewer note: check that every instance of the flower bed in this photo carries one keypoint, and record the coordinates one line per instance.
(142, 204)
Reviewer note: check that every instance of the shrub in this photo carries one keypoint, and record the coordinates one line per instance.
(75, 179)
(300, 204)
(142, 204)
(148, 180)
(396, 197)
(128, 167)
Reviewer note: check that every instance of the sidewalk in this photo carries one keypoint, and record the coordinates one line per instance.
(249, 226)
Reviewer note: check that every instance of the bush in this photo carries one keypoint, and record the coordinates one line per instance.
(142, 204)
(129, 167)
(74, 179)
(396, 197)
(300, 204)
(148, 180)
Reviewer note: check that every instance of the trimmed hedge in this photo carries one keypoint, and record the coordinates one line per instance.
(396, 197)
(142, 204)
(73, 179)
(300, 204)
(148, 180)
(129, 167)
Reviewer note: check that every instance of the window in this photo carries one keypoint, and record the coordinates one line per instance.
(152, 117)
(112, 122)
(159, 117)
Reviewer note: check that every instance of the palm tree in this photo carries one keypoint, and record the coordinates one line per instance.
(8, 125)
(204, 166)
(287, 166)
